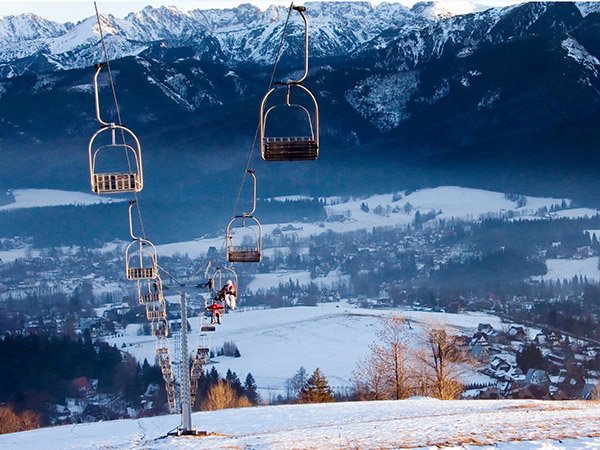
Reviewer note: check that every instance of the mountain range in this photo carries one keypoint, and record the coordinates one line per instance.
(504, 98)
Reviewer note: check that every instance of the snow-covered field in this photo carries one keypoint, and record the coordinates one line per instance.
(413, 423)
(331, 336)
(38, 198)
(333, 280)
(566, 269)
(389, 210)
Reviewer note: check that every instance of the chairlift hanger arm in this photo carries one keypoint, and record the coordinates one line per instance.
(133, 236)
(97, 97)
(252, 173)
(302, 10)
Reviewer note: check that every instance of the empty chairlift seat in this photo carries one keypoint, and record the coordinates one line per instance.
(243, 254)
(291, 147)
(156, 310)
(141, 262)
(115, 156)
(247, 228)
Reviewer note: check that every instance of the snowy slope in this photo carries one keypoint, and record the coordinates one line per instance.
(332, 336)
(413, 423)
(38, 198)
(566, 269)
(388, 210)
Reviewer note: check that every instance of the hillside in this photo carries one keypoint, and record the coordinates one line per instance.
(414, 423)
(332, 336)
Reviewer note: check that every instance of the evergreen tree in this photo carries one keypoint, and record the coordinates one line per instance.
(213, 376)
(530, 358)
(316, 389)
(250, 389)
(234, 381)
(296, 383)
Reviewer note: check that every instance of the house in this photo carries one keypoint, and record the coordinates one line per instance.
(94, 412)
(588, 391)
(516, 333)
(83, 385)
(480, 353)
(536, 376)
(480, 339)
(485, 328)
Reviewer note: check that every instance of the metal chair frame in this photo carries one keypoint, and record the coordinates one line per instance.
(148, 294)
(114, 182)
(160, 327)
(156, 310)
(146, 251)
(293, 148)
(243, 253)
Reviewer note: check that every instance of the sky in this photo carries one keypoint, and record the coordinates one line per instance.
(73, 11)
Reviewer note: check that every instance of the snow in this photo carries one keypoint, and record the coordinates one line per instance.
(17, 253)
(417, 423)
(38, 198)
(566, 269)
(580, 54)
(382, 99)
(332, 336)
(453, 202)
(291, 198)
(576, 213)
(333, 280)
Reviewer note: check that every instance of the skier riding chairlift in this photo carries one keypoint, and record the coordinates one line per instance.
(215, 308)
(228, 294)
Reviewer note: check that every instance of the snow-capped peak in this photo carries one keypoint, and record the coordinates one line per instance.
(444, 10)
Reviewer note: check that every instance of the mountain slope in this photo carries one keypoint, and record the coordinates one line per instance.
(502, 99)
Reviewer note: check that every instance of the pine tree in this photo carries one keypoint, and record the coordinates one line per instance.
(213, 376)
(250, 389)
(316, 389)
(234, 381)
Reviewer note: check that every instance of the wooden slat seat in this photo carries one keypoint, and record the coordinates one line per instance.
(290, 149)
(243, 254)
(141, 273)
(152, 297)
(106, 183)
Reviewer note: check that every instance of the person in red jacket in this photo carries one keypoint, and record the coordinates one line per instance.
(215, 308)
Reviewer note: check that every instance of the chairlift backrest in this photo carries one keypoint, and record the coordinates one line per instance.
(218, 277)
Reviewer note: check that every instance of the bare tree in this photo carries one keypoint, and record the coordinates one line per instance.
(395, 355)
(222, 395)
(369, 377)
(384, 373)
(444, 361)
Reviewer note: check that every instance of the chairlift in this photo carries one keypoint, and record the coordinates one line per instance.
(218, 283)
(118, 181)
(156, 310)
(150, 291)
(245, 252)
(159, 327)
(164, 362)
(141, 258)
(292, 148)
